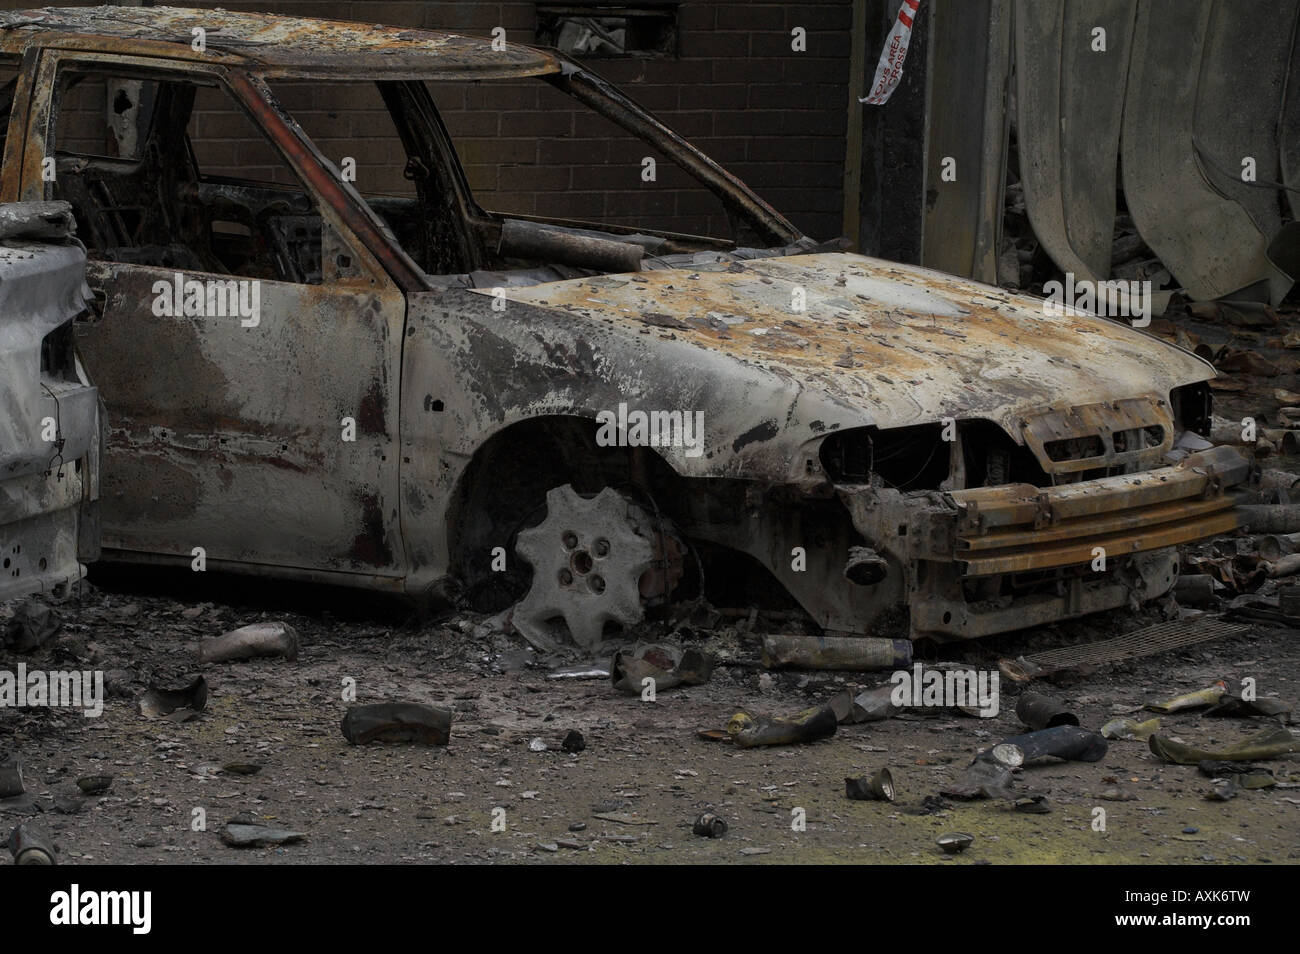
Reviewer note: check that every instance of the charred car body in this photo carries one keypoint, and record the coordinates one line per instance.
(418, 405)
(50, 426)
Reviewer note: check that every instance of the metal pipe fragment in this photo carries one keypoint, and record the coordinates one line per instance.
(536, 242)
(1043, 712)
(1270, 518)
(1196, 589)
(1283, 566)
(259, 639)
(836, 652)
(31, 844)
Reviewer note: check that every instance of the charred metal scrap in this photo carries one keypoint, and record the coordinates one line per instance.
(49, 411)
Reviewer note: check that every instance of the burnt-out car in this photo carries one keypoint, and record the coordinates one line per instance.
(50, 424)
(394, 388)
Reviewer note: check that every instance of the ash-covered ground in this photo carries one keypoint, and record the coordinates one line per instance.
(644, 767)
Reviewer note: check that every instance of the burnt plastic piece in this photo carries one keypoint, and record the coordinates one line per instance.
(983, 778)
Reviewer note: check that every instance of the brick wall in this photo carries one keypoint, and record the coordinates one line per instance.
(774, 117)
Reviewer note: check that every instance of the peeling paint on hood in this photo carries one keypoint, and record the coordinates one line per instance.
(903, 344)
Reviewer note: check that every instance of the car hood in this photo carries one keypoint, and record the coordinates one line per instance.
(895, 344)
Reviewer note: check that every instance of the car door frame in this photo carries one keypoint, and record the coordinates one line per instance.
(375, 269)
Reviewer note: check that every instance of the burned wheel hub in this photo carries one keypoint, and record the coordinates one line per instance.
(588, 557)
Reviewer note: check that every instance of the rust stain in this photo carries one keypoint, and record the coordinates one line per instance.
(370, 548)
(276, 45)
(372, 414)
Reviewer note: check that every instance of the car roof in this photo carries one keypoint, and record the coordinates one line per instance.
(273, 45)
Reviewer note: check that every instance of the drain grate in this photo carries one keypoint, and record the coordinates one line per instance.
(1142, 642)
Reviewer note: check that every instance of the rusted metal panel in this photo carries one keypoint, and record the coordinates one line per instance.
(277, 46)
(1201, 474)
(1176, 525)
(1033, 529)
(1116, 433)
(1110, 523)
(950, 619)
(233, 417)
(49, 412)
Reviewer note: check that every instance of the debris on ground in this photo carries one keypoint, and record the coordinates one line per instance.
(95, 784)
(1268, 744)
(810, 725)
(31, 626)
(248, 831)
(1147, 641)
(1191, 700)
(249, 642)
(666, 667)
(11, 777)
(954, 843)
(397, 722)
(30, 844)
(178, 705)
(869, 705)
(983, 778)
(1068, 742)
(1130, 729)
(1235, 707)
(1043, 712)
(861, 653)
(709, 825)
(879, 787)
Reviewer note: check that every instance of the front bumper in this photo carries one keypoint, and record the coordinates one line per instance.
(993, 559)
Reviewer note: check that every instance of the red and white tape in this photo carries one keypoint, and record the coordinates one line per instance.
(890, 68)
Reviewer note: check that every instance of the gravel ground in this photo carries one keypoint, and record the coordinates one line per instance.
(644, 767)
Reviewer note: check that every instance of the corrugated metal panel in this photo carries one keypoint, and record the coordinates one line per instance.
(1069, 104)
(1209, 242)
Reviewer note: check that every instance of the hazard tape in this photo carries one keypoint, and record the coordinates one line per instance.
(890, 68)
